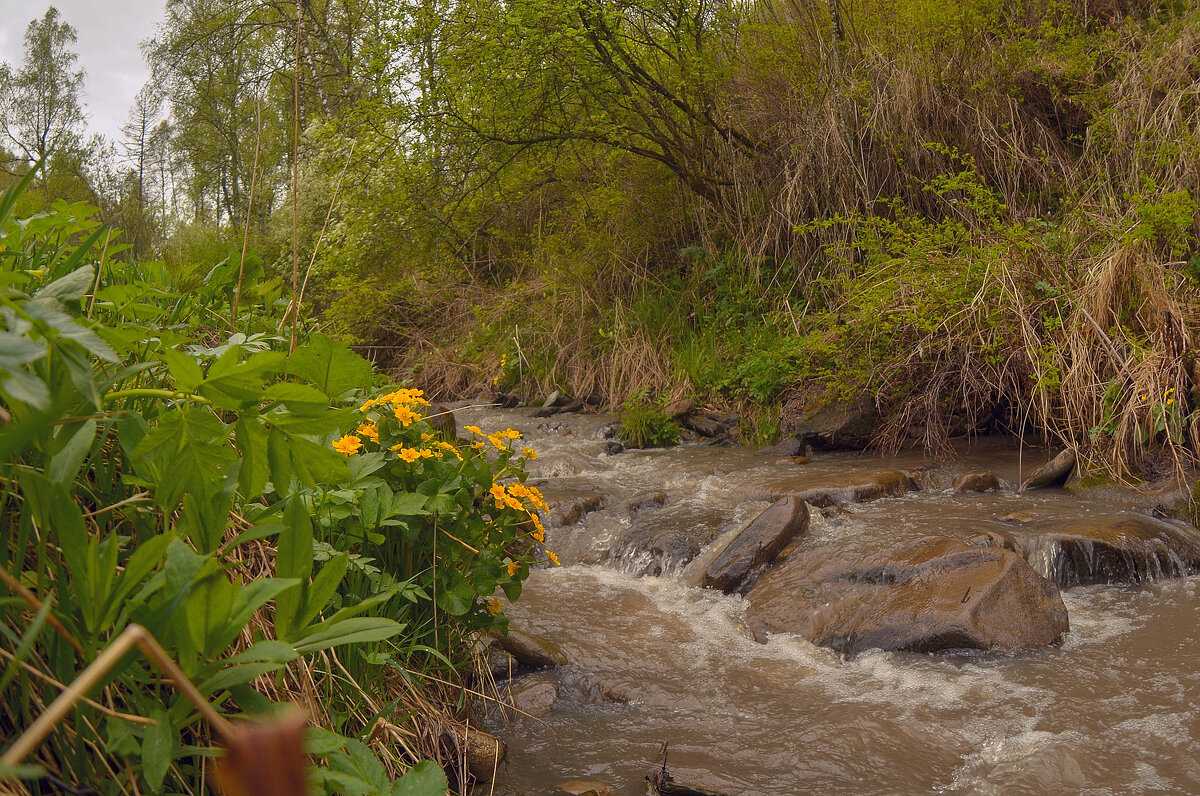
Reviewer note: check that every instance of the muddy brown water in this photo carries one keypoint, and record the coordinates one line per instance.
(1113, 709)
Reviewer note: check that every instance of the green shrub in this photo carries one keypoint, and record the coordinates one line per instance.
(645, 425)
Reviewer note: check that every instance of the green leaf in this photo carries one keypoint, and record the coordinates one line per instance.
(316, 464)
(158, 748)
(424, 779)
(329, 365)
(184, 370)
(324, 586)
(65, 464)
(74, 285)
(457, 596)
(235, 675)
(267, 652)
(299, 398)
(360, 630)
(252, 440)
(293, 559)
(190, 446)
(279, 458)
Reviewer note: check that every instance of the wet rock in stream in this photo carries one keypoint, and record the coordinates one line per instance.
(569, 511)
(757, 545)
(533, 696)
(935, 595)
(531, 651)
(1123, 549)
(1053, 472)
(977, 481)
(836, 491)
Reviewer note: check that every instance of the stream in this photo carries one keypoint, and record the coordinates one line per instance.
(1113, 709)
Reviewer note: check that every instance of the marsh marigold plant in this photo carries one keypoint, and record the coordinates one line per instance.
(455, 518)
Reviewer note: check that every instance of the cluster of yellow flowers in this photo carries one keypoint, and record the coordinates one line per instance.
(1168, 396)
(403, 404)
(511, 496)
(503, 362)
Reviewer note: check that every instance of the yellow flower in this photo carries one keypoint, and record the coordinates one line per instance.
(496, 440)
(369, 430)
(446, 446)
(478, 446)
(495, 380)
(370, 402)
(426, 453)
(426, 437)
(540, 535)
(348, 444)
(513, 503)
(513, 568)
(1170, 401)
(554, 558)
(530, 453)
(409, 455)
(509, 433)
(498, 495)
(474, 430)
(494, 606)
(536, 498)
(404, 414)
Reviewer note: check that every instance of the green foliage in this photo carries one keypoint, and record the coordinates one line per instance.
(647, 425)
(153, 452)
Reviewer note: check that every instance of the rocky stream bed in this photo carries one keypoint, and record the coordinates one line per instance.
(799, 622)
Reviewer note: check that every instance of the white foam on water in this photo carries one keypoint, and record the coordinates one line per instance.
(1033, 761)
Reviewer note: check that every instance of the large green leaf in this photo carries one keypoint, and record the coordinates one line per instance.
(329, 365)
(360, 630)
(293, 559)
(424, 779)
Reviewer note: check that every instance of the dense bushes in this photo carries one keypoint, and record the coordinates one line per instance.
(920, 205)
(283, 528)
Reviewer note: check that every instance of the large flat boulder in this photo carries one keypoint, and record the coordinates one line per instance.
(935, 595)
(1120, 549)
(758, 544)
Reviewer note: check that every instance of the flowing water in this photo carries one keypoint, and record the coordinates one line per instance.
(1114, 709)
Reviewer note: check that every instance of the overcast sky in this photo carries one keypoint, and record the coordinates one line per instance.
(109, 34)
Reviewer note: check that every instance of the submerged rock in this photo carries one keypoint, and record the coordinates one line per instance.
(935, 595)
(585, 787)
(650, 499)
(758, 544)
(1053, 472)
(792, 446)
(860, 488)
(569, 511)
(978, 481)
(483, 752)
(1127, 549)
(534, 696)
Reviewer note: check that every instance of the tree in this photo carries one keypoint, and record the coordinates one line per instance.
(40, 108)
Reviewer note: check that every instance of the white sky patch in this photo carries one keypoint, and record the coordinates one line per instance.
(110, 32)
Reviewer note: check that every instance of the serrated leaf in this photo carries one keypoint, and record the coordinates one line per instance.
(424, 779)
(330, 366)
(74, 285)
(184, 370)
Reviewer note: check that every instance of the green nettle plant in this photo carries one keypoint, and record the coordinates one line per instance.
(164, 467)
